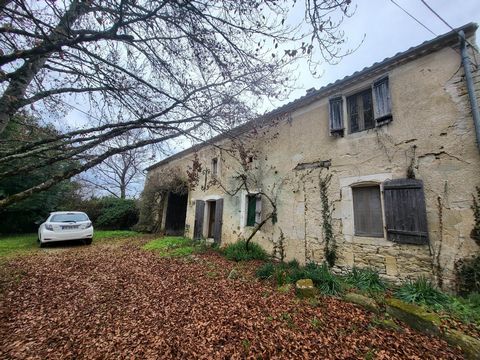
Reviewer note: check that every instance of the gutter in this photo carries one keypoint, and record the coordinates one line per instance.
(470, 87)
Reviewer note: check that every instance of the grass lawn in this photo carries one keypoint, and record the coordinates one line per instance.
(171, 246)
(25, 244)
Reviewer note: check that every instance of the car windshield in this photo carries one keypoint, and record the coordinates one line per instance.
(69, 217)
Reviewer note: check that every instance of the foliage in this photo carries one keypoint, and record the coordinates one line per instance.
(25, 216)
(365, 279)
(265, 271)
(171, 246)
(153, 66)
(476, 213)
(422, 292)
(468, 275)
(238, 251)
(117, 214)
(290, 272)
(157, 187)
(330, 249)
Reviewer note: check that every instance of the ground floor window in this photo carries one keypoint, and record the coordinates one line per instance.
(367, 211)
(253, 209)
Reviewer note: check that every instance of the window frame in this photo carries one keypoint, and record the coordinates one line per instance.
(359, 105)
(371, 233)
(215, 167)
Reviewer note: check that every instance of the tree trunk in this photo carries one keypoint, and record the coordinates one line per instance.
(10, 102)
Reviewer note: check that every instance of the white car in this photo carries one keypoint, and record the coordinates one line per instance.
(66, 225)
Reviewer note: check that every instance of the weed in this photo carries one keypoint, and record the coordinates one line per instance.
(422, 292)
(265, 271)
(316, 323)
(365, 279)
(238, 251)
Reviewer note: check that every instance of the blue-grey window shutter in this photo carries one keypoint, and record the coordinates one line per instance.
(383, 102)
(336, 116)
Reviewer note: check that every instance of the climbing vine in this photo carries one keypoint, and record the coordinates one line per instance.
(475, 234)
(330, 249)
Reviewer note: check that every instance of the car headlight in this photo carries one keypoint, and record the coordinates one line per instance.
(89, 224)
(49, 227)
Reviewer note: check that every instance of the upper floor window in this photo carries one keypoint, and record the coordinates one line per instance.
(364, 110)
(215, 166)
(360, 111)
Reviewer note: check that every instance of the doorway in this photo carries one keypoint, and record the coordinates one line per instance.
(212, 205)
(176, 214)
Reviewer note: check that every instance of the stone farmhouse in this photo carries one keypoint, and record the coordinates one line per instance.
(376, 169)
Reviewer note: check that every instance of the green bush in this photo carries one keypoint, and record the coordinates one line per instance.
(239, 252)
(365, 279)
(468, 276)
(265, 271)
(117, 214)
(422, 292)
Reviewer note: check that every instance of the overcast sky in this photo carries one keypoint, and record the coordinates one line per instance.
(388, 30)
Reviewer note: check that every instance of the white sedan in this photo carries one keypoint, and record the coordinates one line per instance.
(66, 225)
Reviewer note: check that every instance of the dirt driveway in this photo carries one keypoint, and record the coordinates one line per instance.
(112, 302)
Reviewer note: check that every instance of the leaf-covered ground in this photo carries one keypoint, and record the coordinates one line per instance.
(107, 302)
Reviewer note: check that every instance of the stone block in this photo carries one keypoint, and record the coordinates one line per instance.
(391, 265)
(363, 301)
(469, 345)
(304, 288)
(414, 316)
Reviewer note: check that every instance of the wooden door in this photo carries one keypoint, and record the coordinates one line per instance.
(211, 218)
(217, 232)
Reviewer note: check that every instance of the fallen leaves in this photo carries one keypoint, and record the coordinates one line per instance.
(126, 303)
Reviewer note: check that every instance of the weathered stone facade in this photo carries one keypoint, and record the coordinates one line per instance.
(431, 135)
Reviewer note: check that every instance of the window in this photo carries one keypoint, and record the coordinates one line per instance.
(364, 110)
(367, 211)
(214, 166)
(360, 111)
(254, 205)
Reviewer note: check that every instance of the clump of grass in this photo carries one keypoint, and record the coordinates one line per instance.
(239, 252)
(265, 271)
(172, 246)
(422, 292)
(291, 272)
(365, 279)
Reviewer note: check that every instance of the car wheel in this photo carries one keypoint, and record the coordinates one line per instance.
(88, 241)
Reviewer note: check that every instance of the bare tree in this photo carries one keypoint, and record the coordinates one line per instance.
(170, 68)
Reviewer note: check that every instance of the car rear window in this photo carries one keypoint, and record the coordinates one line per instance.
(69, 217)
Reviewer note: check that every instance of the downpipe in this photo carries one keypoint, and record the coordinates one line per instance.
(470, 87)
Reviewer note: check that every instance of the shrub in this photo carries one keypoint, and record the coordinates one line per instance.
(117, 214)
(239, 252)
(422, 292)
(321, 276)
(365, 279)
(265, 271)
(468, 276)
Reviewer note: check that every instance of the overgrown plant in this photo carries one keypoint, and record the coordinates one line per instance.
(365, 279)
(475, 234)
(422, 292)
(468, 276)
(239, 252)
(330, 249)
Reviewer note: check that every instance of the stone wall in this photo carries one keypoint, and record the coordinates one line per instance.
(431, 132)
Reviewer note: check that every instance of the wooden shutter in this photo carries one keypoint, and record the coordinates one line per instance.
(258, 209)
(217, 226)
(383, 104)
(336, 116)
(199, 214)
(405, 212)
(367, 211)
